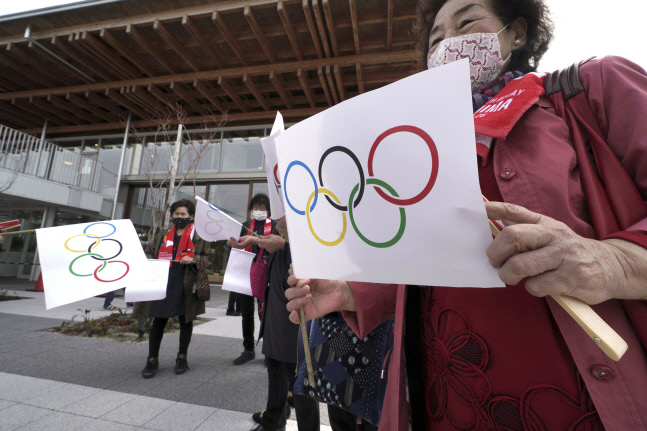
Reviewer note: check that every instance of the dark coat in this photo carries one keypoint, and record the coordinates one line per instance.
(204, 256)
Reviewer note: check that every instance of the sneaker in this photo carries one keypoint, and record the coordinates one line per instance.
(151, 367)
(111, 308)
(181, 365)
(233, 313)
(246, 356)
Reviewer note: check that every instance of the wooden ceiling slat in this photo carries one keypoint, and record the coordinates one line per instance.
(7, 60)
(42, 104)
(324, 85)
(312, 27)
(331, 27)
(389, 25)
(71, 108)
(31, 108)
(280, 7)
(63, 44)
(249, 82)
(306, 87)
(162, 97)
(26, 59)
(20, 120)
(173, 43)
(331, 84)
(142, 98)
(232, 94)
(405, 57)
(321, 27)
(279, 88)
(353, 20)
(134, 33)
(202, 41)
(340, 84)
(106, 104)
(125, 51)
(358, 74)
(185, 96)
(92, 57)
(251, 20)
(219, 21)
(207, 92)
(77, 100)
(106, 53)
(123, 101)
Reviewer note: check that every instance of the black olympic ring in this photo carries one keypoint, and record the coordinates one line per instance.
(359, 168)
(107, 258)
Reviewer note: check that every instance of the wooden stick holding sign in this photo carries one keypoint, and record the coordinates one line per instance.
(600, 332)
(306, 346)
(18, 232)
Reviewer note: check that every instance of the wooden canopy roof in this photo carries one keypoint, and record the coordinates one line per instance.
(82, 70)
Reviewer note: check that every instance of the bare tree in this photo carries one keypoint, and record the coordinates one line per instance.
(13, 165)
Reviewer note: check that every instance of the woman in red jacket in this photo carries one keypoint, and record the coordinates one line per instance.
(510, 359)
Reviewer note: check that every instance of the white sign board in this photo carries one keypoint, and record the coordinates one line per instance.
(237, 275)
(384, 187)
(154, 288)
(271, 167)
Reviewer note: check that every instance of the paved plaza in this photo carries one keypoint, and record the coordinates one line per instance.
(50, 381)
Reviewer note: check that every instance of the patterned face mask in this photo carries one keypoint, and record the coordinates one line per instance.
(483, 51)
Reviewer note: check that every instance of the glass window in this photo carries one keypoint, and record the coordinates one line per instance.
(156, 158)
(242, 155)
(146, 207)
(199, 156)
(110, 155)
(230, 198)
(19, 248)
(190, 192)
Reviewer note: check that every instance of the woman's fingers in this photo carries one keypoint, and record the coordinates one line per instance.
(297, 292)
(519, 239)
(530, 264)
(294, 317)
(299, 302)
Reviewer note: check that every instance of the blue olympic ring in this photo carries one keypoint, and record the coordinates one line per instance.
(114, 229)
(212, 207)
(285, 187)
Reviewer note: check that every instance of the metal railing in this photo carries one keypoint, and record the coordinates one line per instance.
(32, 156)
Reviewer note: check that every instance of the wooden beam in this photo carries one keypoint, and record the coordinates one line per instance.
(42, 104)
(79, 101)
(159, 27)
(207, 92)
(360, 81)
(163, 97)
(324, 85)
(289, 67)
(303, 79)
(219, 21)
(251, 20)
(187, 98)
(64, 45)
(331, 27)
(353, 20)
(249, 82)
(125, 51)
(107, 54)
(31, 108)
(389, 25)
(279, 88)
(312, 28)
(33, 64)
(280, 7)
(134, 33)
(206, 46)
(251, 116)
(91, 55)
(320, 25)
(331, 83)
(143, 98)
(21, 69)
(123, 101)
(8, 114)
(231, 93)
(340, 84)
(71, 108)
(106, 104)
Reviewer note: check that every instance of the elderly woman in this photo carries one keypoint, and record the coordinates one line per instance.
(189, 254)
(510, 359)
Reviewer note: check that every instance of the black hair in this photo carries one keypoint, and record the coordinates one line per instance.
(189, 205)
(260, 199)
(524, 59)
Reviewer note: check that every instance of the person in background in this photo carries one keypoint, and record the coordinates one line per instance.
(181, 243)
(262, 225)
(233, 306)
(110, 296)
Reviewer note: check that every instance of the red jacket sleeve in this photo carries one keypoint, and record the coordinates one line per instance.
(374, 304)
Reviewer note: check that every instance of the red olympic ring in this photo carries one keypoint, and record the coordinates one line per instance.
(275, 177)
(110, 281)
(434, 164)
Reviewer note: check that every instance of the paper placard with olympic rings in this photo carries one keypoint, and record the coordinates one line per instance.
(84, 260)
(271, 168)
(384, 187)
(213, 224)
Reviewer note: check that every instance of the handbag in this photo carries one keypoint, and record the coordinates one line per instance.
(203, 290)
(258, 275)
(349, 372)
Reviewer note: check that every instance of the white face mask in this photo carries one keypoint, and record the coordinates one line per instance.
(483, 51)
(259, 215)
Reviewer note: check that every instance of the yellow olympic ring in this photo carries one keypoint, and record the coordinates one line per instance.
(83, 234)
(343, 231)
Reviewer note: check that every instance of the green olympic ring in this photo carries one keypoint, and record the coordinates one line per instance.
(403, 216)
(86, 254)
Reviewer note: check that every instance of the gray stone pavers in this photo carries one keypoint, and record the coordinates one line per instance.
(98, 404)
(180, 417)
(104, 425)
(57, 421)
(138, 411)
(20, 415)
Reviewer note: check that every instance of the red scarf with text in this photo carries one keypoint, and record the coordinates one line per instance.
(185, 248)
(267, 230)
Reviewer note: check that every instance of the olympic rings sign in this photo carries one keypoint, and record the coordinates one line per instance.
(216, 219)
(358, 191)
(95, 242)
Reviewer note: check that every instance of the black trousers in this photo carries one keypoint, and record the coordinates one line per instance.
(247, 309)
(234, 303)
(157, 333)
(342, 420)
(280, 379)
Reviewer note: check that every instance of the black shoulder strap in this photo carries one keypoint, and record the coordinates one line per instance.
(566, 80)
